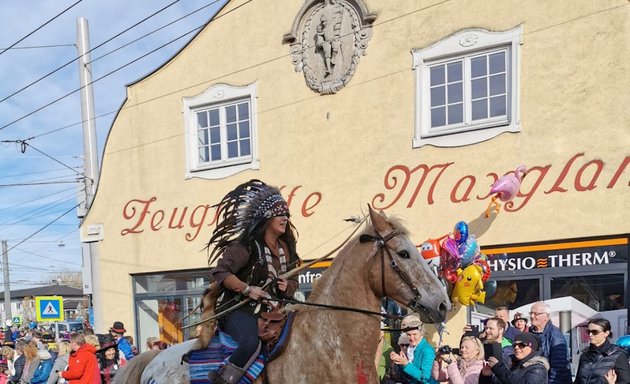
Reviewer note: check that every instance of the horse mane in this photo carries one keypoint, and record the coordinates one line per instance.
(132, 371)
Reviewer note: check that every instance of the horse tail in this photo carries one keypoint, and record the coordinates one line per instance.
(132, 371)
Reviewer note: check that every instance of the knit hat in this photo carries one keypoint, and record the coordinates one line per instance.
(527, 338)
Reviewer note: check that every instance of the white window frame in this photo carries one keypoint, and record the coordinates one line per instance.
(460, 45)
(216, 96)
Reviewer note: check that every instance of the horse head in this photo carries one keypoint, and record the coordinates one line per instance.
(398, 271)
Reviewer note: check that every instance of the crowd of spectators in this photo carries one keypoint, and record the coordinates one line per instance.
(503, 352)
(33, 355)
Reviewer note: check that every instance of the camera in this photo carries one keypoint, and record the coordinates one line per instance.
(444, 350)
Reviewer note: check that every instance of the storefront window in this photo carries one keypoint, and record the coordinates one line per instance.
(162, 302)
(511, 294)
(600, 292)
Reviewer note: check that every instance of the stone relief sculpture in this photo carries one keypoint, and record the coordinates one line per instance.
(326, 41)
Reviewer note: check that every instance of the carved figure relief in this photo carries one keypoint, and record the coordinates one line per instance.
(326, 41)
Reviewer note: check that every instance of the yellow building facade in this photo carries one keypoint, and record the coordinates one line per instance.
(414, 107)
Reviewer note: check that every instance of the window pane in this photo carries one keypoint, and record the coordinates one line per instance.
(232, 149)
(215, 135)
(245, 150)
(230, 113)
(438, 96)
(214, 117)
(455, 71)
(497, 84)
(243, 111)
(204, 154)
(479, 88)
(497, 106)
(438, 116)
(602, 293)
(216, 152)
(437, 75)
(479, 109)
(202, 119)
(202, 134)
(497, 62)
(455, 113)
(231, 132)
(478, 66)
(455, 93)
(511, 294)
(243, 129)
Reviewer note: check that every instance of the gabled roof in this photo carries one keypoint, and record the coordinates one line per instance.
(48, 290)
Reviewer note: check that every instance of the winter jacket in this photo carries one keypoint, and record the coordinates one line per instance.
(43, 368)
(531, 370)
(125, 348)
(82, 366)
(595, 362)
(420, 370)
(554, 349)
(18, 364)
(60, 364)
(452, 374)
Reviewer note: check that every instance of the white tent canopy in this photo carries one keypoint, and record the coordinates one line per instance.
(579, 311)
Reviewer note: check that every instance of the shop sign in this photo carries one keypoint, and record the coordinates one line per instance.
(558, 255)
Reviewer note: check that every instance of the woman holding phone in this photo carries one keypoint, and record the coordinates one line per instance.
(465, 370)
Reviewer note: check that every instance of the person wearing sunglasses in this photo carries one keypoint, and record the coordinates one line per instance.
(602, 362)
(528, 366)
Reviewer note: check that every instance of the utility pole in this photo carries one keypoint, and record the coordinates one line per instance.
(89, 250)
(7, 288)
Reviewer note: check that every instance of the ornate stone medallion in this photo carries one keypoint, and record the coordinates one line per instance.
(327, 39)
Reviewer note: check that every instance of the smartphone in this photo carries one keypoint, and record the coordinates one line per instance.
(474, 331)
(493, 349)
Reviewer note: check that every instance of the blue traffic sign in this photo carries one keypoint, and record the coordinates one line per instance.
(49, 308)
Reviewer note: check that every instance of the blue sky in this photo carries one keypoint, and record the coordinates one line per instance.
(39, 181)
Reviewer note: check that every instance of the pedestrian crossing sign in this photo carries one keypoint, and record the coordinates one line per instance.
(49, 308)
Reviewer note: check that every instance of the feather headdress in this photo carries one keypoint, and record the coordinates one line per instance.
(243, 210)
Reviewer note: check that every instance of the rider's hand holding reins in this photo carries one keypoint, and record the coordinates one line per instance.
(283, 283)
(256, 293)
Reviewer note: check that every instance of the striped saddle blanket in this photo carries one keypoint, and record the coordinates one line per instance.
(216, 355)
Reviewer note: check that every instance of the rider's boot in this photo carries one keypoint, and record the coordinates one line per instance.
(229, 374)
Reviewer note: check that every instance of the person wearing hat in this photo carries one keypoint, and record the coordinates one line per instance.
(528, 366)
(417, 362)
(253, 245)
(109, 361)
(519, 322)
(118, 333)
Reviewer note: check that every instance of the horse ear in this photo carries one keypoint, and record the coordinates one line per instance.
(379, 220)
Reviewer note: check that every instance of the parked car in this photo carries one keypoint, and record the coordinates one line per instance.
(67, 327)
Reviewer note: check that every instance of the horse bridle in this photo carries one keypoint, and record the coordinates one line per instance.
(381, 245)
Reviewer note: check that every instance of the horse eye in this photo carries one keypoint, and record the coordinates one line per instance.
(404, 254)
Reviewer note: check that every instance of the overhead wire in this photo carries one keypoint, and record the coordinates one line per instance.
(92, 49)
(46, 226)
(42, 46)
(40, 27)
(115, 70)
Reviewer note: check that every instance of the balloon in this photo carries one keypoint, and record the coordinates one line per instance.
(469, 286)
(460, 232)
(468, 251)
(490, 287)
(506, 188)
(431, 250)
(450, 246)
